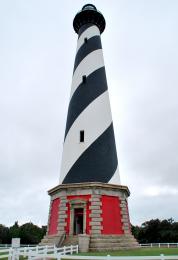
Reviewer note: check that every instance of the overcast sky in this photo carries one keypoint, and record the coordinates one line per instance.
(37, 51)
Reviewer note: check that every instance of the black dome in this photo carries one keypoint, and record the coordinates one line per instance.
(89, 14)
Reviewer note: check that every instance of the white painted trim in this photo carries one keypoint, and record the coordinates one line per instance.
(89, 64)
(88, 33)
(94, 120)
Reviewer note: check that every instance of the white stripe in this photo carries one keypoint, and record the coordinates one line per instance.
(89, 64)
(94, 120)
(88, 33)
(116, 177)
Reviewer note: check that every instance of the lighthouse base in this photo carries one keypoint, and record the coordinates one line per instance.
(98, 210)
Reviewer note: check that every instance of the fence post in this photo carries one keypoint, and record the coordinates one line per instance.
(162, 257)
(17, 252)
(77, 249)
(13, 254)
(29, 255)
(159, 244)
(10, 254)
(58, 257)
(55, 252)
(46, 250)
(71, 249)
(64, 250)
(151, 245)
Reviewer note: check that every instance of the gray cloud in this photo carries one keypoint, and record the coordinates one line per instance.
(37, 51)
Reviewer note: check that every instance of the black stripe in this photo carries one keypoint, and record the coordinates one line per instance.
(95, 85)
(94, 43)
(84, 28)
(97, 163)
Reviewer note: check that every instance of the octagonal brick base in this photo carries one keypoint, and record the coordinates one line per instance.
(105, 213)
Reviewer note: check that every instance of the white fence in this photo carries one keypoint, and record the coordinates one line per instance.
(5, 253)
(44, 252)
(3, 246)
(168, 245)
(38, 252)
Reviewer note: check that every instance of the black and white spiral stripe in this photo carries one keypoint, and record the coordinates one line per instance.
(94, 160)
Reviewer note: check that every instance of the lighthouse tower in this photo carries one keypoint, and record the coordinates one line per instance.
(89, 152)
(89, 200)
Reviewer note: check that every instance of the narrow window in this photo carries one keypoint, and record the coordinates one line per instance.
(82, 136)
(84, 79)
(85, 40)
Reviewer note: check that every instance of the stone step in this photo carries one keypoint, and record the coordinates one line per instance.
(112, 236)
(46, 243)
(70, 240)
(104, 240)
(112, 240)
(51, 240)
(44, 240)
(108, 243)
(99, 249)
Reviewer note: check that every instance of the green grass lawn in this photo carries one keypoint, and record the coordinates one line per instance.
(136, 252)
(131, 252)
(3, 253)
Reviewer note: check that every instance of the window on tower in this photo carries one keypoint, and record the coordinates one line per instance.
(82, 136)
(85, 40)
(84, 79)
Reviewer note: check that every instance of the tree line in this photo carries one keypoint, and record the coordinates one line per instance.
(156, 231)
(153, 231)
(28, 233)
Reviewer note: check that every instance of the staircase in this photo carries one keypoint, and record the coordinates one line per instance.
(70, 240)
(112, 242)
(97, 242)
(53, 240)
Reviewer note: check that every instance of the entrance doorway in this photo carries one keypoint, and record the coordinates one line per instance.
(77, 216)
(78, 221)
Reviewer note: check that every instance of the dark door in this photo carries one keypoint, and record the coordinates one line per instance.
(78, 221)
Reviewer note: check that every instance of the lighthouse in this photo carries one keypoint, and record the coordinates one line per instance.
(89, 202)
(89, 152)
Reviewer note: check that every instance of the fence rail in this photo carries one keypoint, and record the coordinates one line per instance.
(9, 245)
(45, 252)
(5, 253)
(168, 245)
(37, 252)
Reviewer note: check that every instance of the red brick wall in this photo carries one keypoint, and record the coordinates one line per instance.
(54, 217)
(111, 214)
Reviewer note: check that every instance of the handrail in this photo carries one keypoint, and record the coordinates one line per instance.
(61, 239)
